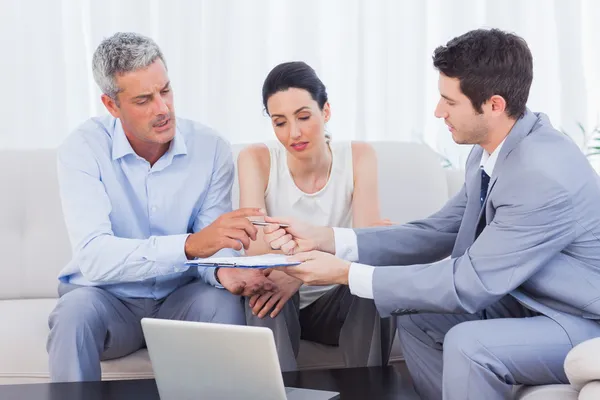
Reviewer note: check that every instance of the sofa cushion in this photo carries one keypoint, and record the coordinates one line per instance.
(412, 183)
(23, 346)
(23, 339)
(25, 360)
(33, 238)
(133, 366)
(582, 364)
(546, 392)
(590, 391)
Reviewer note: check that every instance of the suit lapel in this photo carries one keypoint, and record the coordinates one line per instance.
(519, 131)
(466, 233)
(474, 212)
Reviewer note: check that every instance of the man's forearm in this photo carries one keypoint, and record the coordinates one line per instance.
(200, 245)
(110, 259)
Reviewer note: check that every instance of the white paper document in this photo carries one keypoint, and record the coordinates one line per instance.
(263, 261)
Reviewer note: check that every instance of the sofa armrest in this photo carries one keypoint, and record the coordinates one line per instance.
(591, 391)
(582, 364)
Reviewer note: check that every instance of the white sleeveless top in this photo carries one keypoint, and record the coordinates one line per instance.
(330, 206)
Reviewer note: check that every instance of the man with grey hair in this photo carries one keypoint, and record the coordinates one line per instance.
(142, 192)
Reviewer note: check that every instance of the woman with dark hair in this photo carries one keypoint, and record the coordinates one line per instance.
(312, 178)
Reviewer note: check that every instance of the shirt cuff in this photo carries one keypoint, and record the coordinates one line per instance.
(346, 246)
(207, 274)
(360, 280)
(170, 251)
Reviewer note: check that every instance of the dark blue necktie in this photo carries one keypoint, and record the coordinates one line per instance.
(485, 182)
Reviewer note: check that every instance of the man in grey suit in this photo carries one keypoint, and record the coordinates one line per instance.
(522, 284)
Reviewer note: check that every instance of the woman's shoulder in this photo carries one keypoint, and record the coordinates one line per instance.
(255, 156)
(362, 152)
(357, 148)
(362, 148)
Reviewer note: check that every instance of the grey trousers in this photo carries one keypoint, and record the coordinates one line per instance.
(337, 318)
(90, 324)
(481, 356)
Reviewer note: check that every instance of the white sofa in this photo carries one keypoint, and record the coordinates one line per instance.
(34, 247)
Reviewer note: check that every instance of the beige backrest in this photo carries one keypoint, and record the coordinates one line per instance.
(33, 239)
(412, 183)
(34, 245)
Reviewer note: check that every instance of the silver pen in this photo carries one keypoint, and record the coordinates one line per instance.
(261, 223)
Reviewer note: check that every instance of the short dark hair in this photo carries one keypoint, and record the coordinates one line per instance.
(487, 63)
(294, 74)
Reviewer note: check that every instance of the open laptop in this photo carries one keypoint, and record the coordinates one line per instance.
(193, 360)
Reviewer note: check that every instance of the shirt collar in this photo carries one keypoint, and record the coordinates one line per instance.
(488, 161)
(121, 146)
(177, 147)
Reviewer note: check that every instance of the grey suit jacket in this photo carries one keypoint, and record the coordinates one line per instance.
(541, 243)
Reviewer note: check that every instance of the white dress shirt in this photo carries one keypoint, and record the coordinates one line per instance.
(360, 277)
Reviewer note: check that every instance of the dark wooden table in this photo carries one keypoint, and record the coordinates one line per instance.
(352, 383)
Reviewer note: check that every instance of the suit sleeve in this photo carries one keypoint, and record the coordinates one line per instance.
(427, 240)
(531, 226)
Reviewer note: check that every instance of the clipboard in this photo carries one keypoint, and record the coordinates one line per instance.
(257, 262)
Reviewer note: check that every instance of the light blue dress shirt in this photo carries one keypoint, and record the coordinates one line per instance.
(128, 221)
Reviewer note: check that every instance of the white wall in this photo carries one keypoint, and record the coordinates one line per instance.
(373, 55)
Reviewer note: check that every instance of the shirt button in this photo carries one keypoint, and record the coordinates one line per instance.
(153, 209)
